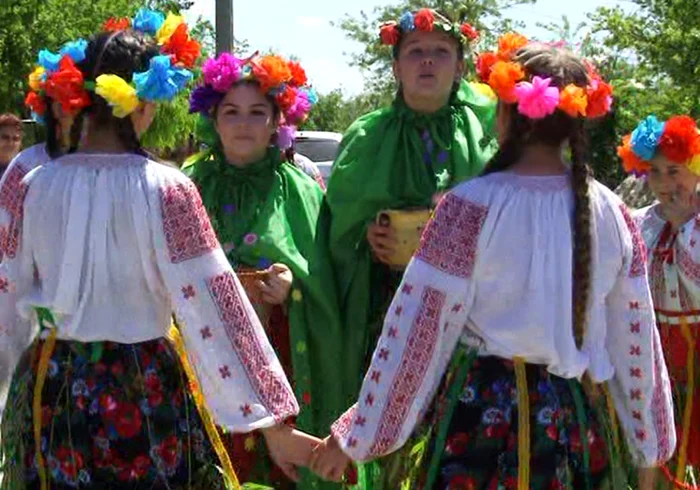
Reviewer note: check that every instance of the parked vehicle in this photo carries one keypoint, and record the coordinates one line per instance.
(321, 147)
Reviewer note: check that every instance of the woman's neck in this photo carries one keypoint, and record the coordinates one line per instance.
(676, 217)
(540, 160)
(424, 105)
(242, 161)
(101, 140)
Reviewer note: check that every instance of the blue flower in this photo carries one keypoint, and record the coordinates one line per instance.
(161, 81)
(312, 95)
(148, 21)
(645, 139)
(406, 22)
(229, 208)
(264, 263)
(49, 60)
(75, 49)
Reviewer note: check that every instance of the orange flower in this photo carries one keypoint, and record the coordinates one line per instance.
(630, 161)
(298, 74)
(509, 44)
(599, 97)
(182, 48)
(66, 86)
(271, 71)
(424, 20)
(484, 64)
(573, 100)
(286, 99)
(680, 139)
(116, 24)
(389, 34)
(36, 103)
(504, 76)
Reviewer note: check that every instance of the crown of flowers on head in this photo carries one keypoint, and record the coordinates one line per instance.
(537, 97)
(57, 76)
(283, 80)
(425, 20)
(677, 139)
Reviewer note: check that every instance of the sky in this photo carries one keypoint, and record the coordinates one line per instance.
(302, 28)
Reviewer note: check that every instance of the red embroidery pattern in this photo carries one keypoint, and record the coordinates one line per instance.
(12, 201)
(4, 285)
(639, 249)
(659, 407)
(341, 428)
(420, 347)
(687, 266)
(450, 240)
(187, 229)
(268, 384)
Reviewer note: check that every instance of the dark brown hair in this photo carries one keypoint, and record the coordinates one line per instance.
(564, 68)
(12, 121)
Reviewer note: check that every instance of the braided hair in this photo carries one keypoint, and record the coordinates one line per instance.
(563, 68)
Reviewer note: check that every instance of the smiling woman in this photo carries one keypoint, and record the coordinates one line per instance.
(10, 139)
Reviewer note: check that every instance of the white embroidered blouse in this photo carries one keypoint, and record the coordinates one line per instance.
(494, 270)
(113, 245)
(674, 266)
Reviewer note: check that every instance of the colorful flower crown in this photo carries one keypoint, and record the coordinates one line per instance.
(425, 20)
(57, 76)
(677, 139)
(537, 98)
(283, 80)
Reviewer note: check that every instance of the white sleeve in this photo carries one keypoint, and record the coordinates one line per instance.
(421, 330)
(688, 256)
(640, 388)
(241, 378)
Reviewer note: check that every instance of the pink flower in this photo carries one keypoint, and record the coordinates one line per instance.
(285, 137)
(250, 239)
(221, 73)
(537, 100)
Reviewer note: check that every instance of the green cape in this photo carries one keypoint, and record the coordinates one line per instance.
(395, 158)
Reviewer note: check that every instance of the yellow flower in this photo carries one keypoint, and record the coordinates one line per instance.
(483, 89)
(694, 165)
(296, 295)
(118, 94)
(35, 78)
(301, 347)
(171, 23)
(249, 444)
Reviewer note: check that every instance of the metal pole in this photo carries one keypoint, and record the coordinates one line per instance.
(224, 26)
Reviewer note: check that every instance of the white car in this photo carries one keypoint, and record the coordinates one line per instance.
(321, 147)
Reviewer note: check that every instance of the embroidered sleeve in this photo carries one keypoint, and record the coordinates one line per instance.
(241, 378)
(640, 388)
(421, 330)
(688, 255)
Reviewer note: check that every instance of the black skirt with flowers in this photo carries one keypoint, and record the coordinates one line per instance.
(115, 416)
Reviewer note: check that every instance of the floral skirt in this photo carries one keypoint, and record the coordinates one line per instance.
(481, 450)
(115, 416)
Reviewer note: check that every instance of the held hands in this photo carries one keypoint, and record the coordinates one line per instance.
(329, 461)
(290, 448)
(275, 288)
(382, 240)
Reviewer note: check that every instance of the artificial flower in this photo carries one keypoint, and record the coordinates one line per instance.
(75, 49)
(169, 26)
(204, 98)
(286, 99)
(300, 109)
(680, 140)
(646, 137)
(36, 103)
(537, 99)
(118, 93)
(49, 60)
(311, 95)
(484, 64)
(298, 74)
(389, 33)
(573, 100)
(116, 24)
(183, 49)
(630, 161)
(271, 72)
(504, 76)
(221, 73)
(407, 22)
(694, 165)
(469, 32)
(161, 81)
(424, 20)
(285, 137)
(599, 97)
(509, 44)
(483, 89)
(66, 86)
(36, 78)
(148, 21)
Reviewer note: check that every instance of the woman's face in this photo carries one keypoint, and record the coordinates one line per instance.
(245, 121)
(428, 65)
(672, 184)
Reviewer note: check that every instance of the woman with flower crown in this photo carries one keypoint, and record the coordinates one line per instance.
(393, 165)
(103, 245)
(266, 212)
(522, 335)
(667, 154)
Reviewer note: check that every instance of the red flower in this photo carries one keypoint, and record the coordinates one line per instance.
(298, 74)
(183, 49)
(109, 406)
(136, 470)
(552, 432)
(128, 420)
(497, 431)
(484, 63)
(116, 24)
(169, 452)
(117, 369)
(70, 461)
(306, 398)
(153, 383)
(461, 482)
(286, 99)
(469, 31)
(457, 444)
(680, 140)
(66, 86)
(389, 34)
(100, 368)
(424, 20)
(599, 98)
(36, 103)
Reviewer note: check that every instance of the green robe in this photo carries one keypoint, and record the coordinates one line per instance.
(394, 158)
(270, 212)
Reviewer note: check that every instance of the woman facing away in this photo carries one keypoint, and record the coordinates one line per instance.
(667, 154)
(106, 246)
(529, 285)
